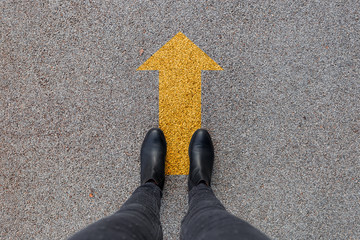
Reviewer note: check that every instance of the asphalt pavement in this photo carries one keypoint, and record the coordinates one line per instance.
(284, 114)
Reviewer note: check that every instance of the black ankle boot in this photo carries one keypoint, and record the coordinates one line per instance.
(153, 152)
(201, 154)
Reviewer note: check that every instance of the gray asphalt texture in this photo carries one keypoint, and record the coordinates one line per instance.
(284, 114)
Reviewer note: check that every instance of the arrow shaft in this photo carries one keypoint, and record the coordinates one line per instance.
(179, 115)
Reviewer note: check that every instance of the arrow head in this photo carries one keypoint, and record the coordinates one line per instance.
(180, 53)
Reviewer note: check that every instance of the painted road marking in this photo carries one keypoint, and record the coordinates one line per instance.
(179, 63)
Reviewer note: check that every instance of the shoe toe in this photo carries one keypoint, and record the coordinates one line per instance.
(155, 136)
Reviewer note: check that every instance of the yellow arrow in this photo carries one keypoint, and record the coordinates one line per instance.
(179, 63)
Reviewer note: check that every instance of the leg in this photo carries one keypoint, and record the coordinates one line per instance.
(138, 218)
(208, 219)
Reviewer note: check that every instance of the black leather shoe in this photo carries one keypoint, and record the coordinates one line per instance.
(153, 152)
(201, 154)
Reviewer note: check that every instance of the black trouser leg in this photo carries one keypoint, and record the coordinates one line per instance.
(208, 219)
(138, 218)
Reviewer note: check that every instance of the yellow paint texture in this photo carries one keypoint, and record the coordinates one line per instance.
(179, 63)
